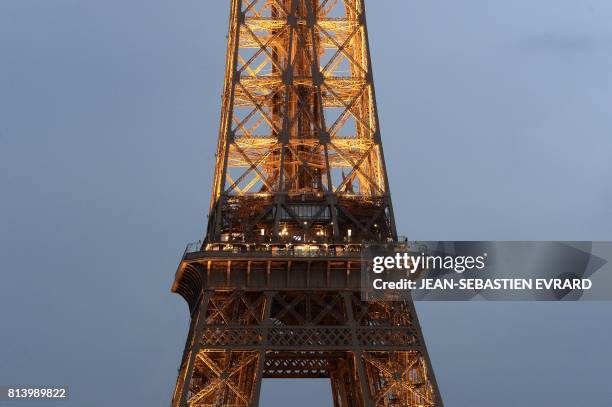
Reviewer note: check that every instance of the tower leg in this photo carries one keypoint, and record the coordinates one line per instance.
(223, 366)
(400, 376)
(179, 398)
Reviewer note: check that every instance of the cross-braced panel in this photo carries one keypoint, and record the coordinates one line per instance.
(398, 379)
(223, 378)
(299, 121)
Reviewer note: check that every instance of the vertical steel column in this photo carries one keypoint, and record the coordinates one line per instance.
(358, 349)
(263, 347)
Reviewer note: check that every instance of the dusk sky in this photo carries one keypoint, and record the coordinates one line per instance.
(496, 123)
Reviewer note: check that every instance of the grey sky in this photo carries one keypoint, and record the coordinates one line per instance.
(496, 125)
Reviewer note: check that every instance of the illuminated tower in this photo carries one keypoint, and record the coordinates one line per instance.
(300, 184)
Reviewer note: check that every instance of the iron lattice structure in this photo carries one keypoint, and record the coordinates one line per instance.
(300, 184)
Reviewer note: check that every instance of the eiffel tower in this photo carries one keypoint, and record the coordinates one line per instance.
(300, 185)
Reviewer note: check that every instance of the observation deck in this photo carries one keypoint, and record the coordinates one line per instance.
(229, 266)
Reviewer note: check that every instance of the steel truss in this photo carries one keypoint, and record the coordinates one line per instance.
(300, 184)
(299, 126)
(373, 352)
